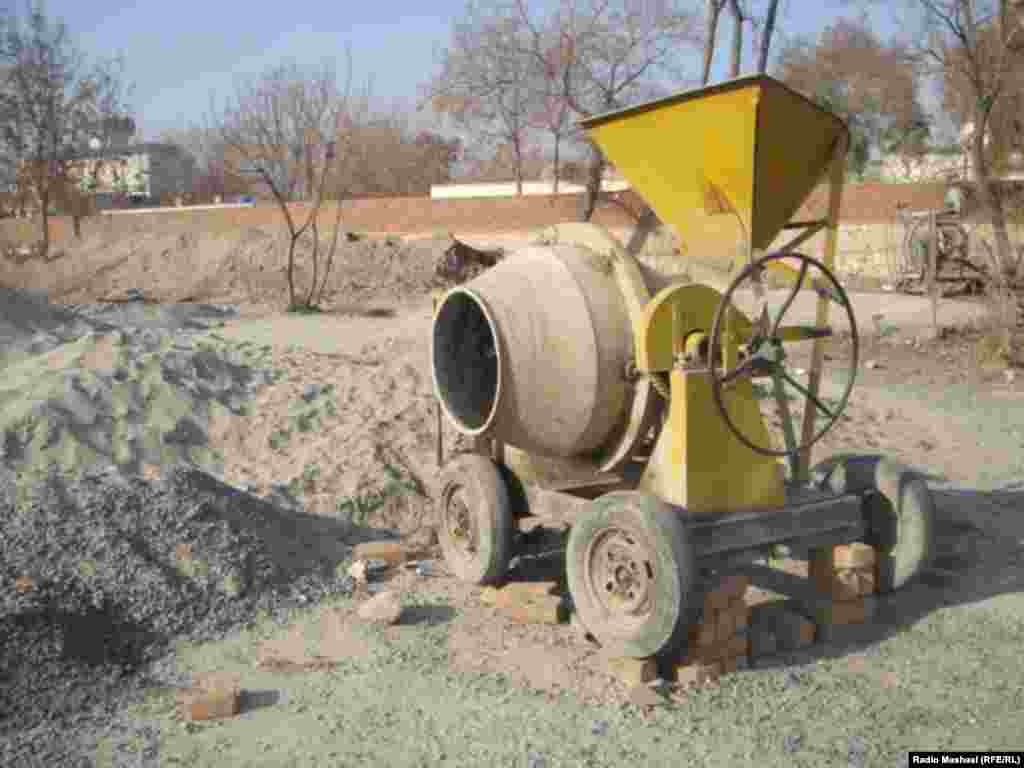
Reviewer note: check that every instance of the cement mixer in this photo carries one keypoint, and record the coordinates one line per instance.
(654, 415)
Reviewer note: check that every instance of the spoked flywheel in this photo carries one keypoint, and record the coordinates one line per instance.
(762, 359)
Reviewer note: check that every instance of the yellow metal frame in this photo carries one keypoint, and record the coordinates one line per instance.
(728, 166)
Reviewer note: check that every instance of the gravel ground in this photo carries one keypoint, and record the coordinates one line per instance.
(104, 565)
(115, 569)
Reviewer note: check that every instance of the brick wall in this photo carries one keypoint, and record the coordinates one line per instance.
(865, 203)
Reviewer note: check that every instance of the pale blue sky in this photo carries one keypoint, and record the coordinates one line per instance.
(179, 51)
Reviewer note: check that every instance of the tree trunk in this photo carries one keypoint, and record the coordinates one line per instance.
(76, 222)
(766, 38)
(712, 10)
(992, 206)
(554, 183)
(737, 38)
(595, 174)
(44, 200)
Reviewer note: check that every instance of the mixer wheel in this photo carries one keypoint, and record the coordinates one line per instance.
(898, 508)
(475, 525)
(631, 572)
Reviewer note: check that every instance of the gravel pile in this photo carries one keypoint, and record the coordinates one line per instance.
(114, 539)
(101, 572)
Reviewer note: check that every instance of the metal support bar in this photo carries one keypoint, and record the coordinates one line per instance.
(727, 534)
(813, 228)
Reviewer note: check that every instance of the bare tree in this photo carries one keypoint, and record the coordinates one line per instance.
(53, 105)
(617, 52)
(484, 82)
(872, 84)
(712, 13)
(977, 45)
(765, 43)
(289, 129)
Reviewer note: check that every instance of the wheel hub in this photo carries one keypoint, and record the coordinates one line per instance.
(621, 574)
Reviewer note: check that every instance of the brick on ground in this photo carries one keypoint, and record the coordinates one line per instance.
(697, 673)
(209, 698)
(517, 592)
(537, 609)
(856, 611)
(391, 552)
(632, 671)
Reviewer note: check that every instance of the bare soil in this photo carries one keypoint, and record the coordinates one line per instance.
(457, 683)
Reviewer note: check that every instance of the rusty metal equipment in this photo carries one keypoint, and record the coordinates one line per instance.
(655, 416)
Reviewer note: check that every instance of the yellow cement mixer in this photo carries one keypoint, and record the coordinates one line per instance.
(658, 417)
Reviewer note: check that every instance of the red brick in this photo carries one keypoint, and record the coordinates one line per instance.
(855, 555)
(738, 646)
(538, 609)
(210, 698)
(632, 671)
(697, 673)
(392, 552)
(705, 633)
(726, 626)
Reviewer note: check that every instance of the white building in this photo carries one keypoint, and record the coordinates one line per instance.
(508, 188)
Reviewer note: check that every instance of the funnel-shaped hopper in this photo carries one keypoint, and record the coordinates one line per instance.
(727, 165)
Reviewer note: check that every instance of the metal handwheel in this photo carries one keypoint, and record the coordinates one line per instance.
(763, 354)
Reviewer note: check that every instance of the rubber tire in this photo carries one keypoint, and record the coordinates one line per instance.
(899, 511)
(675, 573)
(488, 502)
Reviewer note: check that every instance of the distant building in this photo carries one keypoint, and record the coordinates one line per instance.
(146, 173)
(508, 188)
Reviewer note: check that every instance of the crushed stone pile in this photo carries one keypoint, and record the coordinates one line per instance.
(101, 572)
(132, 396)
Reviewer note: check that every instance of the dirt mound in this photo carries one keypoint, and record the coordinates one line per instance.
(246, 266)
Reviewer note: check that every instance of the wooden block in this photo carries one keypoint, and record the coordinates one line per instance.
(855, 555)
(392, 552)
(632, 671)
(210, 698)
(728, 665)
(539, 609)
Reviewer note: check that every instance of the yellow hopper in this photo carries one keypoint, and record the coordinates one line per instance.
(727, 165)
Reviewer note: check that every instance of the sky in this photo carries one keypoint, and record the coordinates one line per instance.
(179, 52)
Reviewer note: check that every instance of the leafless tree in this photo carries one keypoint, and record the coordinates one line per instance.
(871, 83)
(53, 104)
(977, 47)
(290, 129)
(616, 52)
(484, 81)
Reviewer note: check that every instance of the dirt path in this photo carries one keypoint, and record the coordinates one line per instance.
(457, 684)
